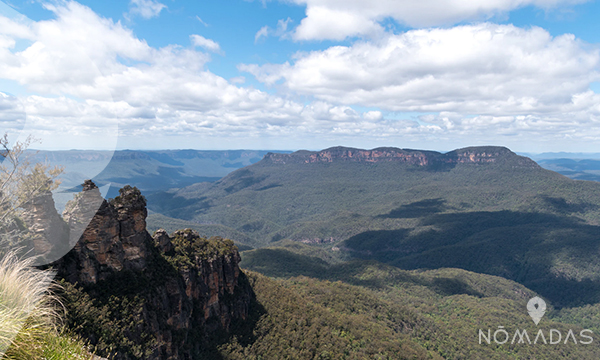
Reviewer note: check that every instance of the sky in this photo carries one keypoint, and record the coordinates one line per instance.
(301, 74)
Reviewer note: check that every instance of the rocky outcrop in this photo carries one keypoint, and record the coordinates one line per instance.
(356, 155)
(488, 155)
(114, 238)
(471, 155)
(47, 228)
(194, 287)
(210, 272)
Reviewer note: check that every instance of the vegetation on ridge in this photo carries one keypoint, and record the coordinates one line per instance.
(30, 317)
(123, 314)
(441, 310)
(509, 217)
(334, 299)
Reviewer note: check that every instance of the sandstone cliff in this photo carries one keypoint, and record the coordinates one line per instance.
(470, 155)
(48, 230)
(179, 290)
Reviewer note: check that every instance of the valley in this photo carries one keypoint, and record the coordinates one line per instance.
(343, 254)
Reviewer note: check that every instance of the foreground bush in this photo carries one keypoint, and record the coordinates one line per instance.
(29, 319)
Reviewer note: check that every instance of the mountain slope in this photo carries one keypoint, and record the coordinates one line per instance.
(334, 194)
(175, 297)
(441, 309)
(482, 209)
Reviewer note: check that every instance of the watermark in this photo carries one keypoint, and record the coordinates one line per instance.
(536, 308)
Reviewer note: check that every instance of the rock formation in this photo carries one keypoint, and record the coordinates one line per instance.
(195, 285)
(114, 238)
(47, 228)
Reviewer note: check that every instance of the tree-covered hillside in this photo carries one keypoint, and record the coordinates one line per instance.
(480, 209)
(324, 201)
(351, 310)
(441, 310)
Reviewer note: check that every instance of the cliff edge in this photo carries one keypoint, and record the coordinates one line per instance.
(469, 155)
(137, 296)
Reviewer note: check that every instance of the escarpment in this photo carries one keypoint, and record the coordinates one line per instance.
(137, 296)
(113, 236)
(470, 155)
(47, 228)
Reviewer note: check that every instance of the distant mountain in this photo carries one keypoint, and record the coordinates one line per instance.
(134, 296)
(149, 170)
(482, 209)
(271, 198)
(578, 169)
(561, 155)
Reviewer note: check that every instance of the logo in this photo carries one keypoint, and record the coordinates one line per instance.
(536, 308)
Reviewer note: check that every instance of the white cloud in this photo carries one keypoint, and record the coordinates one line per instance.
(373, 115)
(201, 21)
(205, 43)
(151, 91)
(146, 8)
(322, 23)
(263, 32)
(90, 74)
(68, 53)
(338, 19)
(12, 112)
(479, 69)
(282, 26)
(281, 30)
(237, 80)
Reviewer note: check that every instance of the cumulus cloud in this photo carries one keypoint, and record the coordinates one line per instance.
(12, 112)
(325, 23)
(146, 8)
(337, 19)
(101, 75)
(68, 53)
(205, 43)
(478, 69)
(90, 73)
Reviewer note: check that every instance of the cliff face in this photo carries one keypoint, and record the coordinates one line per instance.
(47, 228)
(114, 240)
(210, 273)
(191, 287)
(471, 155)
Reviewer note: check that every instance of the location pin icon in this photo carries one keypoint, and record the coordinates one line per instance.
(536, 308)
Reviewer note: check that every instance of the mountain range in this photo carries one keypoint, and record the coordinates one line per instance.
(483, 209)
(345, 254)
(151, 170)
(161, 170)
(578, 169)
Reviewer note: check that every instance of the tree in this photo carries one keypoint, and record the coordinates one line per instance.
(20, 182)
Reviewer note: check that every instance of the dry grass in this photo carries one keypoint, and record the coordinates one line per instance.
(26, 306)
(30, 321)
(31, 325)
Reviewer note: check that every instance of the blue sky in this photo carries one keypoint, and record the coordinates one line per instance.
(302, 74)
